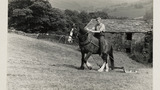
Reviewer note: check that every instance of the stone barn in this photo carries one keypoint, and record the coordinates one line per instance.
(131, 36)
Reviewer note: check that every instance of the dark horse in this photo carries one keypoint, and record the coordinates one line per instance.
(90, 45)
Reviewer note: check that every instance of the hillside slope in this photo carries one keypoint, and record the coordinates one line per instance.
(120, 8)
(41, 65)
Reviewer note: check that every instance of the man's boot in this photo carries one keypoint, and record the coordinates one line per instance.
(101, 46)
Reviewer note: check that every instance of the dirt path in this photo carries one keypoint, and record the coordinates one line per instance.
(41, 65)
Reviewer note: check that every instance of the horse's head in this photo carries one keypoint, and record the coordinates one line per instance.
(70, 38)
(73, 33)
(77, 31)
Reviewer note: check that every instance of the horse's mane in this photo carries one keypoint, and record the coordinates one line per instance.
(81, 29)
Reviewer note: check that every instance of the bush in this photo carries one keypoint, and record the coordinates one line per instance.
(38, 16)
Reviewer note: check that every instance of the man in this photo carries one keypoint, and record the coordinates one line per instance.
(98, 30)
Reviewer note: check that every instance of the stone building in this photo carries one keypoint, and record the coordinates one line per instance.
(131, 36)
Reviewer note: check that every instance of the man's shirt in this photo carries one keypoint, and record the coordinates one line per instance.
(99, 27)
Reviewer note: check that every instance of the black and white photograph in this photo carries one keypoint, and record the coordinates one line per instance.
(80, 45)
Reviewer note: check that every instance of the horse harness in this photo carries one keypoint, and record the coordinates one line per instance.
(87, 41)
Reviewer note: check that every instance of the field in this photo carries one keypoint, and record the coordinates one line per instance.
(35, 64)
(118, 8)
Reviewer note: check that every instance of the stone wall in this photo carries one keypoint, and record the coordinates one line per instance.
(138, 48)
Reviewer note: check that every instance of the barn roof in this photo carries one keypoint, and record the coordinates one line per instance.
(116, 25)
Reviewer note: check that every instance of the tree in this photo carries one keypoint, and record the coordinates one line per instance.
(101, 14)
(18, 4)
(72, 16)
(71, 13)
(30, 15)
(38, 16)
(84, 17)
(58, 20)
(20, 19)
(41, 16)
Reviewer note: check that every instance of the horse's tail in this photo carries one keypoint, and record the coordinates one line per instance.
(111, 57)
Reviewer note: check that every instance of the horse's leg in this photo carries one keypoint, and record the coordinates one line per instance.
(102, 67)
(82, 61)
(111, 58)
(104, 57)
(107, 67)
(89, 66)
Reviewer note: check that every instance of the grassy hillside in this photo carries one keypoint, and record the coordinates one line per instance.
(41, 65)
(120, 8)
(125, 8)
